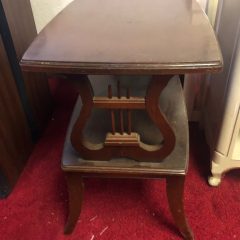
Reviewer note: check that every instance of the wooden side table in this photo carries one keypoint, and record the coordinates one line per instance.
(173, 168)
(127, 130)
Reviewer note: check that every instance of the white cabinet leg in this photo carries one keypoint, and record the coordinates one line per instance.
(217, 169)
(215, 180)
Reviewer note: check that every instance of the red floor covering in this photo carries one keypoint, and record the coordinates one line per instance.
(114, 209)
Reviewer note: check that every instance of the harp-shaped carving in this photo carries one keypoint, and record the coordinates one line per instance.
(122, 141)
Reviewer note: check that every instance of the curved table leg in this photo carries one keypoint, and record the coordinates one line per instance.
(175, 192)
(155, 88)
(75, 191)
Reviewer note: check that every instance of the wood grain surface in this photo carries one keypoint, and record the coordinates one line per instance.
(15, 137)
(23, 31)
(138, 37)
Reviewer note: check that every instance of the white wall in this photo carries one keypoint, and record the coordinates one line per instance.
(212, 10)
(45, 10)
(203, 3)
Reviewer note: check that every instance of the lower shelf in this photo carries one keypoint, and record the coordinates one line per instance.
(172, 104)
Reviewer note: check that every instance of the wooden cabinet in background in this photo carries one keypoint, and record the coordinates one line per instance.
(25, 101)
(15, 135)
(23, 30)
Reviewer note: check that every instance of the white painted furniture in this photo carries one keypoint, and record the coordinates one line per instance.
(222, 107)
(226, 155)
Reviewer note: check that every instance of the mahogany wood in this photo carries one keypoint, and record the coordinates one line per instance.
(15, 137)
(23, 31)
(122, 139)
(112, 112)
(129, 115)
(172, 104)
(109, 91)
(119, 103)
(75, 195)
(129, 121)
(121, 122)
(123, 39)
(156, 86)
(118, 89)
(113, 122)
(173, 168)
(175, 194)
(107, 151)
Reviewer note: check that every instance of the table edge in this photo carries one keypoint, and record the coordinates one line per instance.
(119, 171)
(120, 68)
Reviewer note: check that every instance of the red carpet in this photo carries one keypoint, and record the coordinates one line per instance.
(114, 209)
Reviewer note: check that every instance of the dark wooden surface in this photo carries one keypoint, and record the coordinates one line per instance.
(20, 97)
(175, 194)
(21, 23)
(173, 167)
(15, 136)
(154, 37)
(172, 105)
(122, 144)
(75, 190)
(40, 98)
(138, 36)
(23, 31)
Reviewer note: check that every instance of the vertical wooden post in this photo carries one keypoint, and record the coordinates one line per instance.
(112, 111)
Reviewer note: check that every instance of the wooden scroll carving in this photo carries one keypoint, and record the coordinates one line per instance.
(124, 143)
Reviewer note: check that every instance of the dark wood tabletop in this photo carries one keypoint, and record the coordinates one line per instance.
(119, 36)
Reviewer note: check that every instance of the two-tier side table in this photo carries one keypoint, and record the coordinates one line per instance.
(134, 126)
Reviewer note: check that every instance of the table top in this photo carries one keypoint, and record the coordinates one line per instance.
(121, 37)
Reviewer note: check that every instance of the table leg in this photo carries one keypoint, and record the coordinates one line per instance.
(175, 192)
(75, 191)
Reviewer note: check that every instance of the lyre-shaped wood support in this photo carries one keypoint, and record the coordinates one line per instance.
(122, 143)
(123, 138)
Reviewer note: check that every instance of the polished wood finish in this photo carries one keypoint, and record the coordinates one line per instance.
(18, 128)
(23, 31)
(21, 23)
(152, 37)
(172, 103)
(15, 136)
(175, 194)
(156, 86)
(122, 139)
(119, 103)
(173, 167)
(75, 190)
(138, 37)
(106, 150)
(129, 114)
(40, 98)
